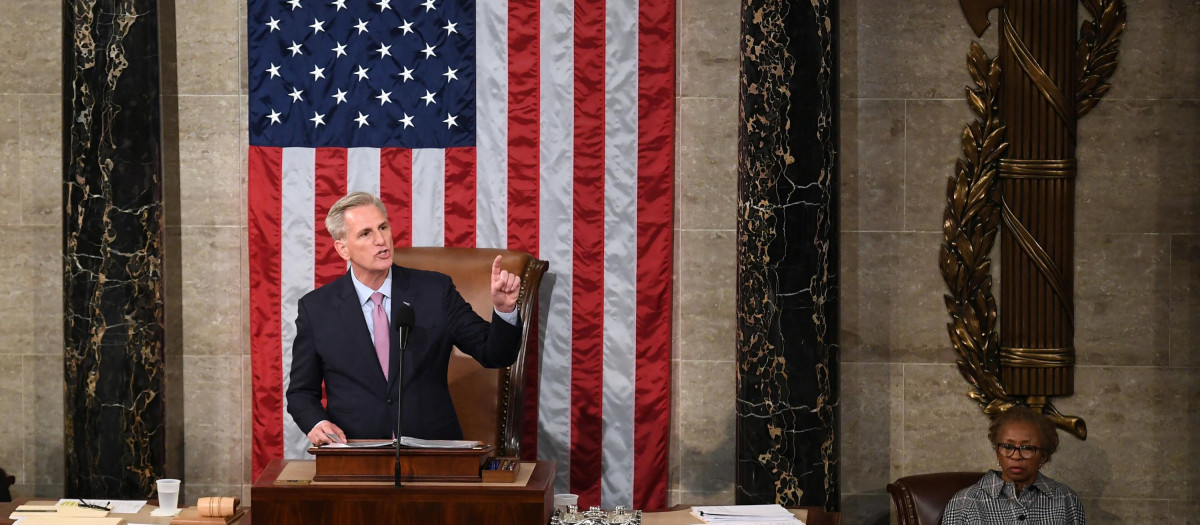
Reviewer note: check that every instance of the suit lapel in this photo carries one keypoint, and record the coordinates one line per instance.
(359, 346)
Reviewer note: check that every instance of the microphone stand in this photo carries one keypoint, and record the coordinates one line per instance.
(404, 316)
(399, 403)
(400, 399)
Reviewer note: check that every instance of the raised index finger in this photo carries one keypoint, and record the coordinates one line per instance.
(496, 268)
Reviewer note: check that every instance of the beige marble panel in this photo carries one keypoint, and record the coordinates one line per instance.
(30, 65)
(1137, 166)
(1142, 423)
(213, 290)
(1154, 59)
(707, 295)
(247, 422)
(871, 189)
(706, 412)
(872, 405)
(212, 177)
(41, 160)
(42, 386)
(892, 309)
(10, 163)
(696, 497)
(244, 45)
(213, 411)
(675, 460)
(707, 47)
(1120, 511)
(908, 49)
(1180, 512)
(866, 509)
(18, 273)
(707, 171)
(944, 430)
(208, 38)
(1185, 301)
(934, 131)
(1121, 301)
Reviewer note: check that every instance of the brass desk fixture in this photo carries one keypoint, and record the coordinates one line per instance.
(1018, 170)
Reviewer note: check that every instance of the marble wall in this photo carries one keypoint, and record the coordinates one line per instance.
(902, 110)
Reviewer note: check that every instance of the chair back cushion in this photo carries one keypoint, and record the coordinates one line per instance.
(921, 499)
(489, 402)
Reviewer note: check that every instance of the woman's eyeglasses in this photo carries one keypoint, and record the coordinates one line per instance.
(1012, 451)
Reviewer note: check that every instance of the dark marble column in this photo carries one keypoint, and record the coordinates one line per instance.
(112, 249)
(787, 304)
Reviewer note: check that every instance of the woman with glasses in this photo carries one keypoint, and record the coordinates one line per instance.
(1023, 440)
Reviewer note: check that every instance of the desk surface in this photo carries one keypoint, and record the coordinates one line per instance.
(6, 508)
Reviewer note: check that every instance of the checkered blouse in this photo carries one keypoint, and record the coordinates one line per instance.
(992, 500)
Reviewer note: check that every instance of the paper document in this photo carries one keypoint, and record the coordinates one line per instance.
(408, 441)
(115, 506)
(745, 514)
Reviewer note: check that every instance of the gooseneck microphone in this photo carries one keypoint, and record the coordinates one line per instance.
(404, 317)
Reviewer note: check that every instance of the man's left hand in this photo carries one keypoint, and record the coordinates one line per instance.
(505, 287)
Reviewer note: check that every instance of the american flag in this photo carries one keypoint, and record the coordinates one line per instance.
(545, 126)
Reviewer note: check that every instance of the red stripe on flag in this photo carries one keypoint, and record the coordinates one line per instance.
(330, 185)
(266, 362)
(656, 168)
(587, 358)
(395, 189)
(524, 108)
(460, 197)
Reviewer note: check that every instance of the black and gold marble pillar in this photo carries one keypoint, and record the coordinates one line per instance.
(112, 249)
(787, 303)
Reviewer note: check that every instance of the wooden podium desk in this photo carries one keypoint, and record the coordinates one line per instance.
(295, 502)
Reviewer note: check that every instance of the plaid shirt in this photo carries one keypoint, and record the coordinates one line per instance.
(992, 500)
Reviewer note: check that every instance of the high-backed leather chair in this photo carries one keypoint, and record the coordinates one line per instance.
(6, 481)
(489, 402)
(921, 499)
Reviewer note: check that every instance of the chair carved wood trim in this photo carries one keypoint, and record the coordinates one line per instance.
(490, 403)
(921, 499)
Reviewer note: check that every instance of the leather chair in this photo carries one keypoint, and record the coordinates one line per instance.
(921, 499)
(489, 402)
(6, 481)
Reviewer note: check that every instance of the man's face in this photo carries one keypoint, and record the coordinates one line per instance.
(368, 242)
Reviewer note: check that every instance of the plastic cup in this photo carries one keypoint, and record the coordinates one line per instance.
(168, 494)
(561, 501)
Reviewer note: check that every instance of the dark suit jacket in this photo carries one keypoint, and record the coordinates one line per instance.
(334, 345)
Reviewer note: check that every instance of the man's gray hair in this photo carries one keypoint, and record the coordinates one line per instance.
(335, 222)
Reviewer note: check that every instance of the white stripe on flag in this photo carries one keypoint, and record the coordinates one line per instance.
(297, 267)
(491, 124)
(429, 197)
(362, 170)
(556, 240)
(620, 250)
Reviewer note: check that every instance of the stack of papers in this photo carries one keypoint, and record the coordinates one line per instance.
(746, 515)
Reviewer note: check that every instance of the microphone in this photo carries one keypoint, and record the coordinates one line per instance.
(405, 318)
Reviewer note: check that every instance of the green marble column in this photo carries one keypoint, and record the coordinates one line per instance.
(112, 249)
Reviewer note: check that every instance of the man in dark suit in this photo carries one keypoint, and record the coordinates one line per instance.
(346, 337)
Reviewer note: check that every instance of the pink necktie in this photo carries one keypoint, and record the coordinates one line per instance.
(380, 321)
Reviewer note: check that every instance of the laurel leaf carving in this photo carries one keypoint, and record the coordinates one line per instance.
(1096, 51)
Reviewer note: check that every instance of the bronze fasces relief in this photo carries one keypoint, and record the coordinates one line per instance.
(1016, 178)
